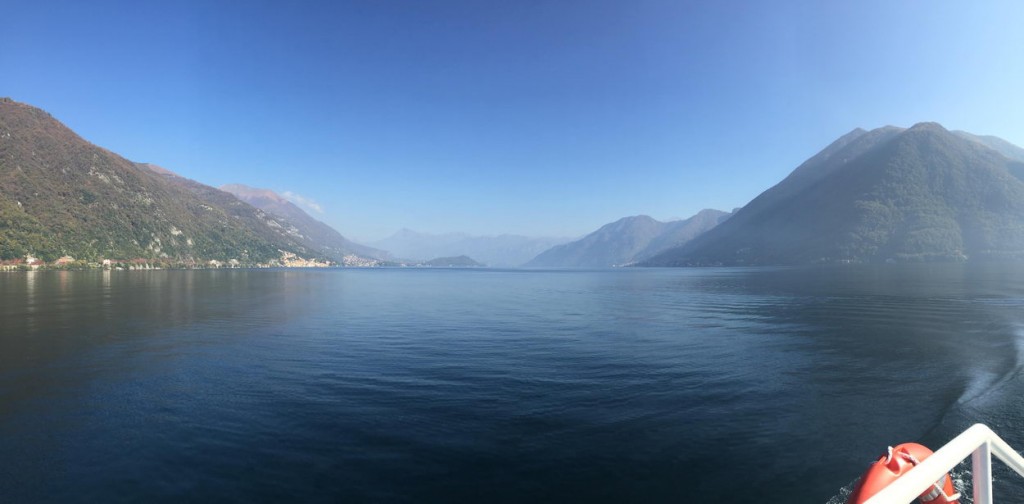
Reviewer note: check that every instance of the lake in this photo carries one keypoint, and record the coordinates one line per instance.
(477, 385)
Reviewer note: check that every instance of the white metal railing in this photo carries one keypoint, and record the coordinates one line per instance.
(979, 442)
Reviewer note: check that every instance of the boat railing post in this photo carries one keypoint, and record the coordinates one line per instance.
(981, 467)
(979, 442)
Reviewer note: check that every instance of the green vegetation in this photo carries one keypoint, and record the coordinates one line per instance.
(60, 195)
(21, 234)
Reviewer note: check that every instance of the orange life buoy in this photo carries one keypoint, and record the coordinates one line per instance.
(896, 463)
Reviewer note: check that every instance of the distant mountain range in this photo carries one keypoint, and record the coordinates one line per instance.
(60, 195)
(885, 195)
(496, 251)
(330, 242)
(627, 241)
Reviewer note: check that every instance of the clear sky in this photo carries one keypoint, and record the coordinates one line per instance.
(487, 117)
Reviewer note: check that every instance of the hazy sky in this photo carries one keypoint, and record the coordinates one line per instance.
(528, 117)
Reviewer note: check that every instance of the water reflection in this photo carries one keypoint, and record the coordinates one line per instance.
(56, 320)
(638, 385)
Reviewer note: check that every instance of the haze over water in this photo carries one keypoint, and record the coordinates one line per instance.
(708, 385)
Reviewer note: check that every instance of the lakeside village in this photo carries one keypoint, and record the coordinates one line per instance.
(287, 260)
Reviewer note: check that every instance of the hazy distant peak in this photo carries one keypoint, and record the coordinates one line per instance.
(412, 233)
(993, 142)
(627, 240)
(500, 250)
(636, 218)
(933, 132)
(928, 126)
(319, 236)
(852, 135)
(631, 222)
(881, 131)
(710, 212)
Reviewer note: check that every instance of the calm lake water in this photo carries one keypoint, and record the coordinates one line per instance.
(638, 385)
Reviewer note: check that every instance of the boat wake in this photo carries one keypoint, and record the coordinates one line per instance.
(986, 393)
(843, 494)
(985, 385)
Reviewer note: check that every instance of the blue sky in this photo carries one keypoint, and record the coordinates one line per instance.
(527, 117)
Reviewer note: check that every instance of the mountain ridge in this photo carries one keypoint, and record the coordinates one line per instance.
(322, 237)
(891, 194)
(888, 194)
(627, 241)
(504, 250)
(61, 195)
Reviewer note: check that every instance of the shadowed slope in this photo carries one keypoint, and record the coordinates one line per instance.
(626, 241)
(917, 194)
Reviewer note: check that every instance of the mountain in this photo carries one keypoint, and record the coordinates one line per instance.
(498, 251)
(453, 262)
(159, 170)
(627, 241)
(889, 194)
(998, 144)
(61, 195)
(322, 237)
